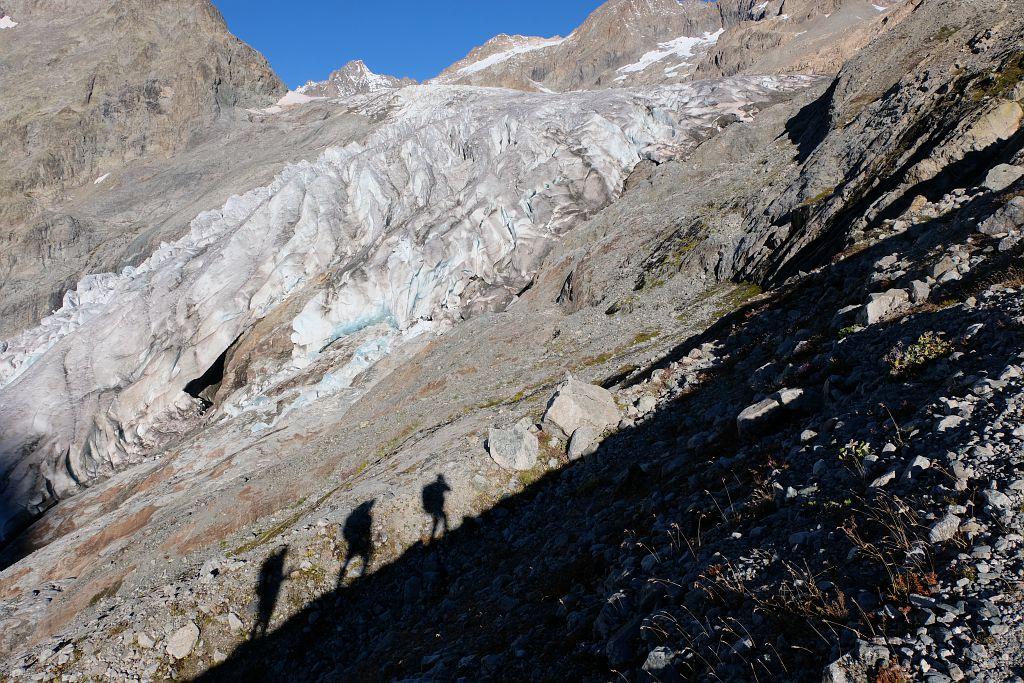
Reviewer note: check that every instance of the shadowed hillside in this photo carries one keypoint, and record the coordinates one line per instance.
(679, 549)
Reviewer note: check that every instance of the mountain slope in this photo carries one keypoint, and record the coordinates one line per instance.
(315, 434)
(89, 87)
(397, 236)
(633, 42)
(616, 34)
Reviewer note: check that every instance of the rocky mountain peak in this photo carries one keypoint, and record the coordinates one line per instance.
(495, 55)
(644, 42)
(616, 34)
(355, 78)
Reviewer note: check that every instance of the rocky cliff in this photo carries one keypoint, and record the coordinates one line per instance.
(633, 42)
(89, 88)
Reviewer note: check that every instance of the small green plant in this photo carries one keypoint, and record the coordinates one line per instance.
(847, 331)
(108, 592)
(1001, 81)
(599, 359)
(653, 283)
(820, 197)
(644, 336)
(970, 573)
(855, 452)
(929, 346)
(672, 256)
(736, 298)
(392, 446)
(533, 475)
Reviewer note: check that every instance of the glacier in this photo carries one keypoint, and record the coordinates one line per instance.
(445, 210)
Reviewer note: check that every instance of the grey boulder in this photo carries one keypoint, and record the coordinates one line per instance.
(884, 305)
(1008, 219)
(577, 403)
(514, 449)
(754, 419)
(584, 441)
(944, 529)
(1002, 176)
(181, 642)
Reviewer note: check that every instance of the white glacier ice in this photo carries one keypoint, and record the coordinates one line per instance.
(454, 198)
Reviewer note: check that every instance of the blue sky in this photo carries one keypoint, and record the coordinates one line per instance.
(307, 39)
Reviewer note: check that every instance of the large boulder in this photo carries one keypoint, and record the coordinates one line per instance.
(756, 419)
(514, 449)
(884, 305)
(584, 441)
(577, 403)
(182, 641)
(1007, 220)
(1002, 176)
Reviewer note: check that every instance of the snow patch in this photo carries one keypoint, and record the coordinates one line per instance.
(681, 48)
(293, 98)
(101, 179)
(7, 22)
(499, 57)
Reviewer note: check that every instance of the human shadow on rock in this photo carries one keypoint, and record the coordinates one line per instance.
(358, 534)
(268, 588)
(434, 505)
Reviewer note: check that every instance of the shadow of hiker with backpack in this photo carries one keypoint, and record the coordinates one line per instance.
(358, 534)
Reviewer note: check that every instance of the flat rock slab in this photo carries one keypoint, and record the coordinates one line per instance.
(1002, 176)
(754, 419)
